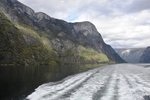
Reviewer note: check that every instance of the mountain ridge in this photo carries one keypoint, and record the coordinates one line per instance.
(131, 55)
(35, 19)
(145, 57)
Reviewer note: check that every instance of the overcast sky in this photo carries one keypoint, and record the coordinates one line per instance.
(122, 23)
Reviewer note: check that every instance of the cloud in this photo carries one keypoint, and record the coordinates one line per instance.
(139, 5)
(122, 23)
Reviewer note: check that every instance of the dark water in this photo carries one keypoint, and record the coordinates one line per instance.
(18, 81)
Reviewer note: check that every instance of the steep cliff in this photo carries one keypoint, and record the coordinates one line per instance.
(145, 58)
(88, 36)
(62, 35)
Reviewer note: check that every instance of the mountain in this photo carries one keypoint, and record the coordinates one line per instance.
(36, 48)
(82, 33)
(145, 58)
(131, 55)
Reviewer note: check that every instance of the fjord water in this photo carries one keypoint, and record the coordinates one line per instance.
(112, 82)
(17, 81)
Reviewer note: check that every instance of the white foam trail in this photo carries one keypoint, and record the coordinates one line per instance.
(110, 89)
(89, 88)
(59, 89)
(124, 92)
(138, 90)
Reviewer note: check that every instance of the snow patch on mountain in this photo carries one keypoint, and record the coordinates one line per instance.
(131, 55)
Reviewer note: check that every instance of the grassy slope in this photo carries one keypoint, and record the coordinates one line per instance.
(89, 54)
(24, 45)
(92, 58)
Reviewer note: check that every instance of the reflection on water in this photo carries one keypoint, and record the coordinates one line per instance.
(18, 80)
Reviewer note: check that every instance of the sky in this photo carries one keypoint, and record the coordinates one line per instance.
(122, 23)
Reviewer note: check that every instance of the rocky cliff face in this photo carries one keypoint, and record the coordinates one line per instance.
(145, 58)
(83, 33)
(131, 55)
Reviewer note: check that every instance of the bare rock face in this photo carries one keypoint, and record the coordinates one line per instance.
(88, 35)
(41, 15)
(87, 28)
(145, 58)
(13, 1)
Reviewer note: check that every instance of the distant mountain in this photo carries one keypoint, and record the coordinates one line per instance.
(131, 55)
(145, 58)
